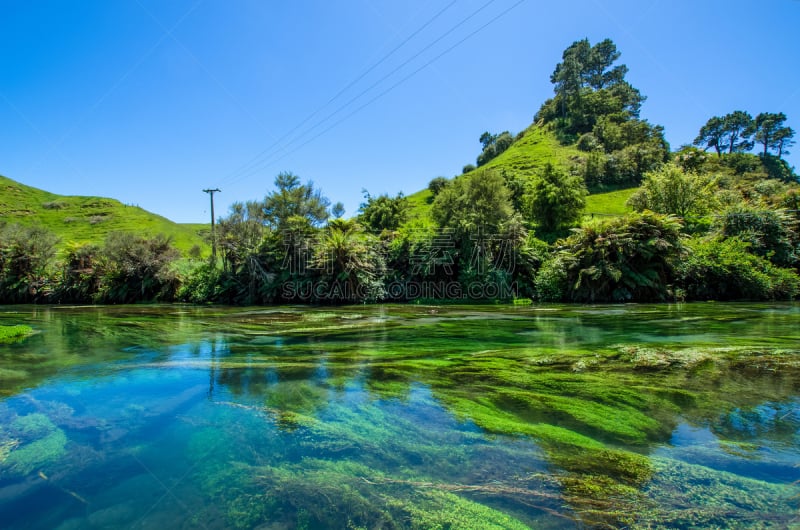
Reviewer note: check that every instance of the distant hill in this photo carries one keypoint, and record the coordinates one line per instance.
(90, 219)
(536, 147)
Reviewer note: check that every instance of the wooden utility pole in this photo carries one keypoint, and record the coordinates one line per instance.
(213, 233)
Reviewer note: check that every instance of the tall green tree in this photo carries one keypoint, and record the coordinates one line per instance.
(739, 128)
(587, 85)
(383, 212)
(337, 210)
(293, 199)
(767, 127)
(240, 234)
(555, 199)
(712, 135)
(477, 201)
(349, 263)
(783, 140)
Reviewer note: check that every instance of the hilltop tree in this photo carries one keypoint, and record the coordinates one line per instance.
(783, 140)
(436, 185)
(732, 132)
(711, 135)
(588, 85)
(738, 127)
(493, 145)
(767, 127)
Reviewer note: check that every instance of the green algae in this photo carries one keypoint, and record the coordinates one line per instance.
(30, 442)
(10, 334)
(324, 494)
(323, 419)
(683, 495)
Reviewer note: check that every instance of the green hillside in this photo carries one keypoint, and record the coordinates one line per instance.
(537, 146)
(609, 202)
(89, 219)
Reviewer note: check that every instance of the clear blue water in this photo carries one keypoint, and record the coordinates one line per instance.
(401, 417)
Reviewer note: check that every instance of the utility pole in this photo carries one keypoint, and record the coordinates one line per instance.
(213, 233)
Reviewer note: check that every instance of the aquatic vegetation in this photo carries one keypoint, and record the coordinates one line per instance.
(318, 493)
(683, 495)
(30, 442)
(410, 416)
(16, 333)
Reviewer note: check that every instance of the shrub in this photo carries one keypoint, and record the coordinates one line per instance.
(26, 257)
(436, 185)
(727, 270)
(626, 259)
(551, 281)
(771, 234)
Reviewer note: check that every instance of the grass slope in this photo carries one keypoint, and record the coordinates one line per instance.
(533, 151)
(610, 203)
(89, 219)
(526, 157)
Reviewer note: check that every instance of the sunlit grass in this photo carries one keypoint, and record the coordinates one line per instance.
(89, 219)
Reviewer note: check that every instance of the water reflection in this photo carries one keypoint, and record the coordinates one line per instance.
(152, 416)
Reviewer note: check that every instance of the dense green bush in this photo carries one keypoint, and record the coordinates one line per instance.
(137, 268)
(727, 270)
(555, 199)
(26, 257)
(551, 282)
(81, 277)
(626, 259)
(671, 190)
(771, 234)
(202, 283)
(384, 212)
(436, 185)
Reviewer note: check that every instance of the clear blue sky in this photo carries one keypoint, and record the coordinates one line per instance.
(150, 101)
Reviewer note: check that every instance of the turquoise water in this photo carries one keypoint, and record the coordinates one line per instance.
(633, 416)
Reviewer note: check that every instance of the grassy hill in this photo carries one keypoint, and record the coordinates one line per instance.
(89, 219)
(537, 147)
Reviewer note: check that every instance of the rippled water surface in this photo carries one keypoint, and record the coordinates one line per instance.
(387, 417)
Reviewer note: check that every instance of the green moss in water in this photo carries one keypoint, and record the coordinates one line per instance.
(9, 334)
(683, 495)
(344, 494)
(31, 442)
(441, 510)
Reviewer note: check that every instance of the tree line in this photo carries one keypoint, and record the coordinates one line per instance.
(739, 132)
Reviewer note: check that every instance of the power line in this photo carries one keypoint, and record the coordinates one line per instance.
(268, 162)
(259, 165)
(383, 59)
